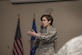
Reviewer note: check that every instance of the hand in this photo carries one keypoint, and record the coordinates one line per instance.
(31, 33)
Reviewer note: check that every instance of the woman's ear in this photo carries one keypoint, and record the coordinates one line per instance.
(50, 21)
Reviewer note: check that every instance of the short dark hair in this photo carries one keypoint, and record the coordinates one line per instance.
(48, 17)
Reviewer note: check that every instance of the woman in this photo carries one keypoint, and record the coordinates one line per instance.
(46, 37)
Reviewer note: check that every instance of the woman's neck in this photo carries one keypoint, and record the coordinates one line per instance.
(48, 26)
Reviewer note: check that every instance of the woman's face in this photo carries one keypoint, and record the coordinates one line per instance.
(45, 22)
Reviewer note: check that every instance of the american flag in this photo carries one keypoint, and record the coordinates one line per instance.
(18, 47)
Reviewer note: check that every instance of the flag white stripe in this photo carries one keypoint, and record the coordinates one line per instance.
(15, 51)
(20, 46)
(18, 49)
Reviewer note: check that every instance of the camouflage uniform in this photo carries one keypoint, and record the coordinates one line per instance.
(46, 43)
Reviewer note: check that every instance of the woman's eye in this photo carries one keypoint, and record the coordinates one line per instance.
(43, 20)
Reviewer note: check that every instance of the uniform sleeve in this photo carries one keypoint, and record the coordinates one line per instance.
(50, 33)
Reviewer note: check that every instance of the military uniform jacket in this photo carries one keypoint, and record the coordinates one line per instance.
(46, 43)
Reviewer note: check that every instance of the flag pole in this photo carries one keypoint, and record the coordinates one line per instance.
(32, 41)
(33, 48)
(34, 16)
(18, 17)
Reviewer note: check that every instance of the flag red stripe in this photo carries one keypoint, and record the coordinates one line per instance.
(19, 44)
(18, 50)
(14, 52)
(20, 41)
